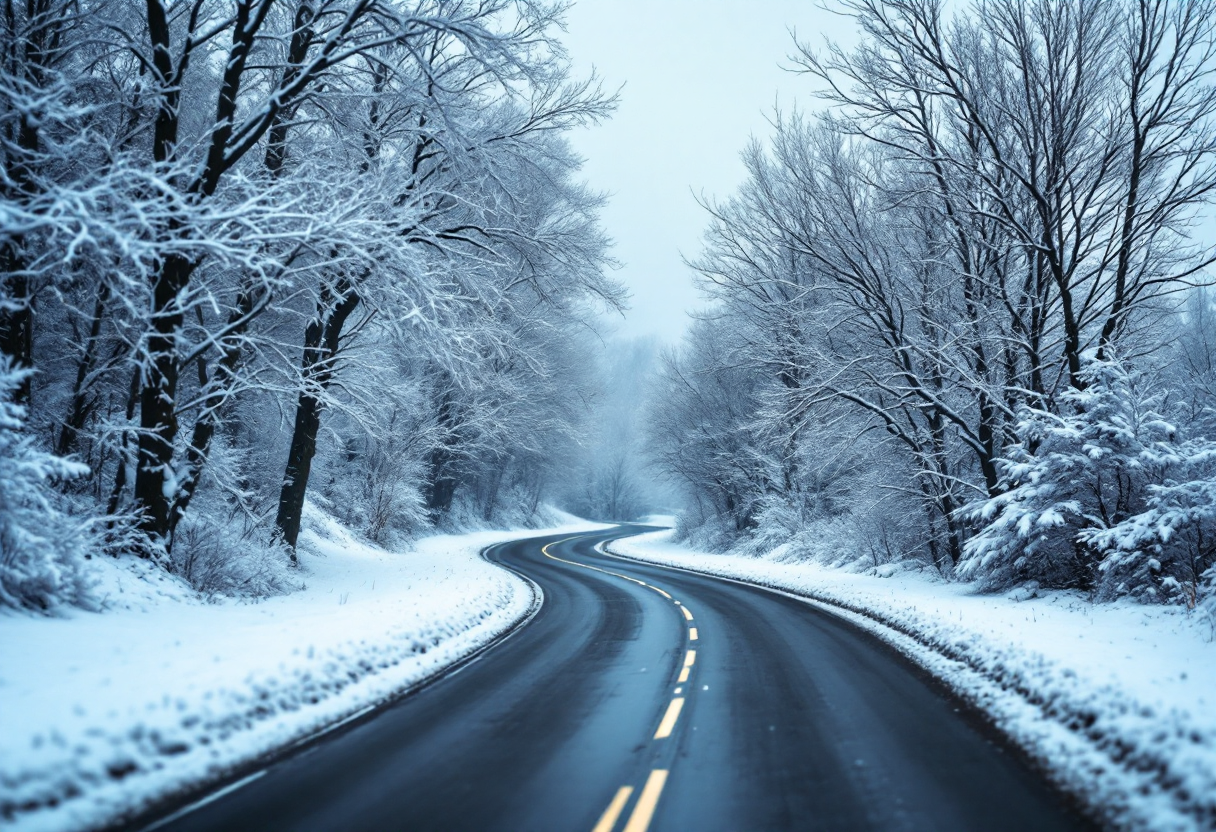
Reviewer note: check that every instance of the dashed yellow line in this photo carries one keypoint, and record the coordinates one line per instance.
(648, 800)
(639, 821)
(608, 819)
(689, 658)
(669, 718)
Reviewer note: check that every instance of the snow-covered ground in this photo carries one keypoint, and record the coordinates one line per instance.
(1116, 701)
(102, 713)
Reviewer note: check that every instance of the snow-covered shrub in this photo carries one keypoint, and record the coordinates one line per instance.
(1069, 477)
(218, 561)
(43, 549)
(374, 486)
(705, 530)
(222, 547)
(1166, 550)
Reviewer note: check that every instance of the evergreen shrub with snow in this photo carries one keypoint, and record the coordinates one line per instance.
(1107, 498)
(43, 549)
(1169, 549)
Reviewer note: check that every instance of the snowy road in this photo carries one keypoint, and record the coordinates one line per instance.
(642, 698)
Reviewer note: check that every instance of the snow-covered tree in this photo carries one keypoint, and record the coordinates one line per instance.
(907, 285)
(1071, 479)
(42, 548)
(239, 222)
(702, 432)
(1169, 548)
(610, 478)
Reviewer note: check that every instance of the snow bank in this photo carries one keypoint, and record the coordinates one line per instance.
(102, 713)
(1117, 702)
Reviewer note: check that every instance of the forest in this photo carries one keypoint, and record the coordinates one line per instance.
(265, 258)
(960, 314)
(260, 256)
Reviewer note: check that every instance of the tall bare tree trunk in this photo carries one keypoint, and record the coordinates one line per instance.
(321, 341)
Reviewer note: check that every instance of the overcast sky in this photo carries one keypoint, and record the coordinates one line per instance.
(699, 78)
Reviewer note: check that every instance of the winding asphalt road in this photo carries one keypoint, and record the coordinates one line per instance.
(642, 698)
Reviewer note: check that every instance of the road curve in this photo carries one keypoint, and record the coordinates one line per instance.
(787, 718)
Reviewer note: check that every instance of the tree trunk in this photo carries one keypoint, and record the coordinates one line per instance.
(441, 484)
(16, 321)
(155, 489)
(321, 339)
(219, 387)
(16, 316)
(81, 408)
(299, 466)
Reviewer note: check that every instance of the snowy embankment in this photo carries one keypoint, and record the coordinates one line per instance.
(100, 714)
(1116, 702)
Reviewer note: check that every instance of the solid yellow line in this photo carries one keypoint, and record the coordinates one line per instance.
(683, 675)
(669, 718)
(690, 657)
(692, 633)
(544, 550)
(687, 614)
(639, 821)
(608, 819)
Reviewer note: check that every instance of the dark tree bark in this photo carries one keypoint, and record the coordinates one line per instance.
(321, 341)
(441, 483)
(158, 402)
(16, 319)
(81, 407)
(36, 40)
(217, 387)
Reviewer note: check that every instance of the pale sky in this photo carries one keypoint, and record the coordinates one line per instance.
(699, 77)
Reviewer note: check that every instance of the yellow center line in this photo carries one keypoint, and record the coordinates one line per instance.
(608, 819)
(639, 821)
(544, 550)
(669, 718)
(643, 810)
